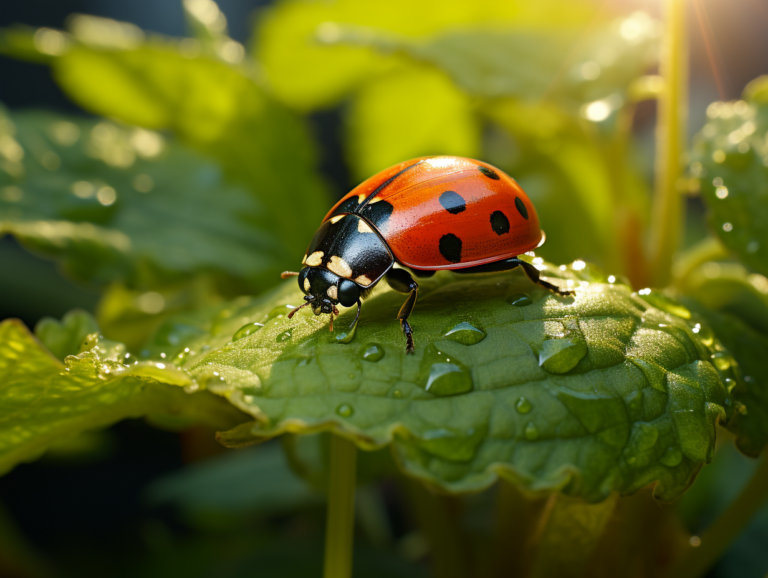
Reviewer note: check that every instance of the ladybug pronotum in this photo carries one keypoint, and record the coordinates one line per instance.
(425, 214)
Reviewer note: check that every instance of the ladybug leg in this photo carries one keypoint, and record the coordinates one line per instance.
(533, 274)
(401, 281)
(508, 264)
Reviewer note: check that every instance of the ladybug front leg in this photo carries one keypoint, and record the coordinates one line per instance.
(401, 281)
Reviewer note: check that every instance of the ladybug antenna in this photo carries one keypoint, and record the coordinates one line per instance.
(286, 274)
(296, 309)
(359, 306)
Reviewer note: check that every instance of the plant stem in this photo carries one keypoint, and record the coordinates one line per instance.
(720, 534)
(341, 509)
(670, 135)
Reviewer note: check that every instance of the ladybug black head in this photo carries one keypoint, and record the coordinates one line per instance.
(324, 290)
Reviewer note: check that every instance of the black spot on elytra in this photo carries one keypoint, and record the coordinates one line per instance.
(490, 173)
(499, 223)
(521, 207)
(378, 214)
(452, 202)
(450, 247)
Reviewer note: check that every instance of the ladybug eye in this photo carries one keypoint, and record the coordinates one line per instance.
(304, 284)
(349, 293)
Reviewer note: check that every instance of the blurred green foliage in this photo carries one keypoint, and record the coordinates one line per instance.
(198, 182)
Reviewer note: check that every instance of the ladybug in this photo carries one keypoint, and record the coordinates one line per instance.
(425, 214)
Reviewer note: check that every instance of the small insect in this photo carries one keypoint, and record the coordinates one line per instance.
(425, 214)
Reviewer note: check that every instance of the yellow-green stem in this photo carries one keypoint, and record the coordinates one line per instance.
(670, 140)
(717, 537)
(341, 509)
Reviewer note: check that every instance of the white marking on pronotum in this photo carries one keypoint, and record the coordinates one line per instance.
(315, 259)
(339, 266)
(333, 292)
(363, 280)
(307, 286)
(363, 227)
(304, 260)
(336, 219)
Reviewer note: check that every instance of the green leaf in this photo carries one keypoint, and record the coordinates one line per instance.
(45, 402)
(213, 102)
(296, 40)
(750, 386)
(127, 204)
(639, 405)
(592, 70)
(241, 483)
(729, 159)
(63, 338)
(439, 121)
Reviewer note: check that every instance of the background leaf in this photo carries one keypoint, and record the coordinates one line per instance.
(219, 107)
(387, 125)
(124, 204)
(728, 157)
(292, 37)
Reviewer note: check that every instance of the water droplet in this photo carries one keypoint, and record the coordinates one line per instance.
(284, 336)
(397, 393)
(520, 300)
(443, 374)
(531, 432)
(466, 334)
(345, 410)
(246, 330)
(722, 360)
(561, 355)
(672, 457)
(452, 444)
(729, 385)
(248, 398)
(373, 353)
(211, 380)
(346, 335)
(523, 405)
(279, 311)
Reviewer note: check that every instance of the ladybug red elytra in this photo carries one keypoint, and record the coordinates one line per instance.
(425, 214)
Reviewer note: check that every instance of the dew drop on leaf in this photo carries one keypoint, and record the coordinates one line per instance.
(373, 353)
(561, 355)
(442, 374)
(246, 330)
(397, 394)
(531, 432)
(520, 300)
(672, 457)
(279, 311)
(345, 336)
(284, 336)
(345, 410)
(466, 334)
(523, 405)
